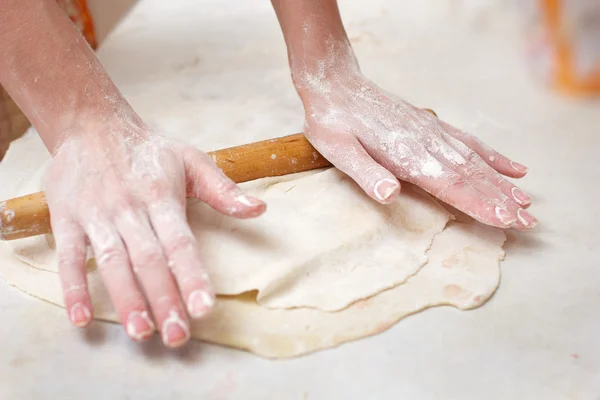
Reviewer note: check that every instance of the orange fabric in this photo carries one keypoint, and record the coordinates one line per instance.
(78, 12)
(12, 121)
(565, 77)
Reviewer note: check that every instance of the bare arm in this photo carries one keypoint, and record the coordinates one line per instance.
(51, 72)
(318, 47)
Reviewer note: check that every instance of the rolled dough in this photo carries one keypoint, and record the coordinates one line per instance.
(322, 243)
(323, 246)
(463, 271)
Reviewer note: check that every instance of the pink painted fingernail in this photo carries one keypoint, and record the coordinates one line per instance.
(200, 303)
(175, 331)
(504, 216)
(520, 197)
(527, 219)
(385, 189)
(139, 325)
(519, 167)
(80, 315)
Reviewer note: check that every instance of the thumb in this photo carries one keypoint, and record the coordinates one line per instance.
(205, 181)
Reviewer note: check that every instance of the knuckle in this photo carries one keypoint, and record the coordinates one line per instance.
(326, 144)
(157, 189)
(180, 243)
(474, 174)
(451, 184)
(454, 182)
(149, 257)
(74, 292)
(222, 185)
(165, 301)
(191, 278)
(473, 157)
(504, 182)
(121, 200)
(195, 159)
(213, 198)
(110, 255)
(62, 225)
(131, 300)
(70, 259)
(369, 175)
(201, 156)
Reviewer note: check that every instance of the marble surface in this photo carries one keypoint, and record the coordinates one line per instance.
(214, 73)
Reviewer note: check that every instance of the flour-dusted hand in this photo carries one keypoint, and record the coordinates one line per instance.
(377, 138)
(124, 189)
(112, 183)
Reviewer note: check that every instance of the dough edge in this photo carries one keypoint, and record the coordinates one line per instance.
(240, 323)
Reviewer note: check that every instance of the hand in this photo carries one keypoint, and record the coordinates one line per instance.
(376, 137)
(123, 189)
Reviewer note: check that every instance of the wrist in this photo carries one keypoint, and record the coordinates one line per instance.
(314, 84)
(98, 125)
(317, 74)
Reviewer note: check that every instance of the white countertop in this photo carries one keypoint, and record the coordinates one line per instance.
(214, 72)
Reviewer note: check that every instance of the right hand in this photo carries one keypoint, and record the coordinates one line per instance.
(123, 189)
(378, 138)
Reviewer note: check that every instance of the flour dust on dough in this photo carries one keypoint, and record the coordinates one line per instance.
(463, 271)
(323, 266)
(322, 243)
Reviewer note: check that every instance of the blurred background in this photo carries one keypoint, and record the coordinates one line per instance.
(560, 41)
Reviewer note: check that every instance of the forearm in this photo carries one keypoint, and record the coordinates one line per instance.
(318, 47)
(51, 72)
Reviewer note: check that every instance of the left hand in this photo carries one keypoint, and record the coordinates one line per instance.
(376, 138)
(123, 189)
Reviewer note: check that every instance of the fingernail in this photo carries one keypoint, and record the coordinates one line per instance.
(139, 325)
(200, 303)
(520, 197)
(519, 167)
(504, 216)
(385, 189)
(175, 331)
(527, 219)
(80, 315)
(249, 201)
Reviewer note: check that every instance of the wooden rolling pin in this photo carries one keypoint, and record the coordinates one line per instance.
(29, 215)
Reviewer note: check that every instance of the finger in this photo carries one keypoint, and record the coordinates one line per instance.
(452, 188)
(71, 254)
(181, 249)
(208, 183)
(493, 185)
(471, 172)
(349, 156)
(150, 266)
(113, 263)
(507, 187)
(476, 178)
(490, 156)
